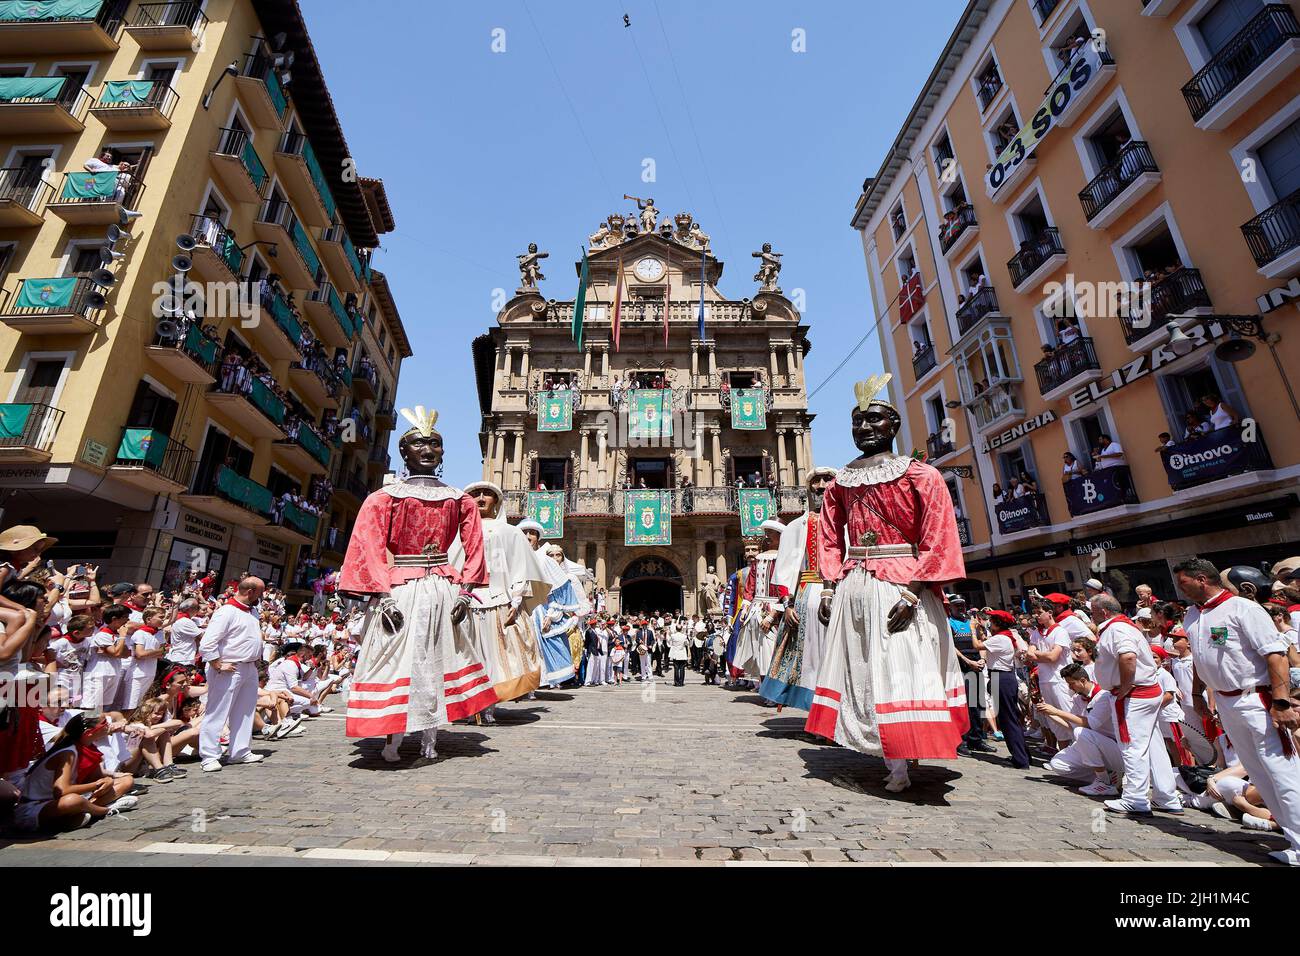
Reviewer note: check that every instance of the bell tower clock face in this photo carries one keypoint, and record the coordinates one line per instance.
(649, 269)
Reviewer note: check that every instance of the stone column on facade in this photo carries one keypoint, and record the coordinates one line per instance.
(517, 466)
(782, 469)
(498, 457)
(601, 438)
(488, 457)
(604, 362)
(789, 364)
(695, 363)
(771, 351)
(713, 359)
(716, 459)
(583, 459)
(586, 361)
(523, 363)
(599, 569)
(801, 456)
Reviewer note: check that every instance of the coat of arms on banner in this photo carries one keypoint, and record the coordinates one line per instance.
(749, 409)
(554, 412)
(547, 509)
(648, 517)
(756, 506)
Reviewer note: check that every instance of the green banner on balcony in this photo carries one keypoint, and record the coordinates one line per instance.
(268, 401)
(46, 293)
(13, 420)
(50, 9)
(143, 445)
(126, 92)
(89, 186)
(650, 413)
(301, 520)
(647, 517)
(31, 87)
(756, 506)
(749, 409)
(309, 440)
(198, 344)
(547, 509)
(555, 411)
(243, 491)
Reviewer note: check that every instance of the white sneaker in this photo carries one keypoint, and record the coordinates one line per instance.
(1247, 821)
(124, 803)
(293, 733)
(1288, 857)
(327, 710)
(212, 766)
(249, 757)
(286, 727)
(270, 731)
(1099, 788)
(898, 784)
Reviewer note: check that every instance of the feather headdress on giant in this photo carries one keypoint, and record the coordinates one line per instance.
(422, 421)
(866, 392)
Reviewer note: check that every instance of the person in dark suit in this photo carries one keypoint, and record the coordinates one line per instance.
(644, 637)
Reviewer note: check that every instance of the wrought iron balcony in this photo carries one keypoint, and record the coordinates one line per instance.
(235, 496)
(990, 86)
(951, 230)
(1275, 231)
(1210, 457)
(85, 27)
(28, 430)
(241, 169)
(191, 355)
(152, 459)
(936, 446)
(23, 195)
(135, 105)
(1259, 39)
(975, 308)
(61, 304)
(1021, 514)
(923, 361)
(217, 245)
(1134, 159)
(168, 26)
(1033, 254)
(1100, 489)
(1066, 362)
(1175, 294)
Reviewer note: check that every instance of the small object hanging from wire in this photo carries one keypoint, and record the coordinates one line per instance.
(627, 21)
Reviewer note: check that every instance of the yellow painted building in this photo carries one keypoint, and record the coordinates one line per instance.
(182, 336)
(1090, 223)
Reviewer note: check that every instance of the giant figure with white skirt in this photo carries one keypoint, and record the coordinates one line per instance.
(756, 642)
(889, 683)
(416, 670)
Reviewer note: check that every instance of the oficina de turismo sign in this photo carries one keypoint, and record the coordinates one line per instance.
(1202, 334)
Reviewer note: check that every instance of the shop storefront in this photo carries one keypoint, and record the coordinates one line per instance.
(199, 543)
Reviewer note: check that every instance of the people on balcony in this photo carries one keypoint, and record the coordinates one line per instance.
(1222, 415)
(998, 494)
(1195, 425)
(950, 226)
(1109, 454)
(616, 392)
(1072, 468)
(104, 164)
(1066, 52)
(1068, 331)
(1027, 485)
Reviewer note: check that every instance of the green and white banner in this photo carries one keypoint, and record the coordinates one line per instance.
(126, 92)
(555, 411)
(648, 517)
(46, 293)
(89, 186)
(39, 88)
(749, 409)
(547, 509)
(650, 413)
(142, 445)
(50, 9)
(13, 420)
(756, 506)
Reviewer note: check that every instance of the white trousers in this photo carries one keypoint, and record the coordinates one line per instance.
(597, 669)
(1089, 751)
(1058, 695)
(134, 684)
(1277, 776)
(231, 700)
(99, 691)
(1146, 762)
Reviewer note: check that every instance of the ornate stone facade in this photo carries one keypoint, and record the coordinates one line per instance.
(756, 342)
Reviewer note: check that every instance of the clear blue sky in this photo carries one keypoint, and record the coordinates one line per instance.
(484, 152)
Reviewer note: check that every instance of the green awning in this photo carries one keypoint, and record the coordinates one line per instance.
(13, 420)
(31, 87)
(32, 10)
(46, 293)
(84, 187)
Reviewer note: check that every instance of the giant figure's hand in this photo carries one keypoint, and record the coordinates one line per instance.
(459, 610)
(824, 611)
(900, 616)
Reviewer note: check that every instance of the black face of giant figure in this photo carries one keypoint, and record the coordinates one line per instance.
(423, 456)
(874, 430)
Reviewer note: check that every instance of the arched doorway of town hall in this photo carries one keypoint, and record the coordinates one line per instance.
(648, 584)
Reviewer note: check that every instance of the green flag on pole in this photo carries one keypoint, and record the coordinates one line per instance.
(755, 507)
(580, 302)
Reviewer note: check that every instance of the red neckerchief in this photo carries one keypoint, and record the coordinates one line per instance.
(1118, 617)
(134, 607)
(1096, 689)
(1061, 617)
(238, 604)
(1011, 636)
(147, 629)
(182, 617)
(107, 630)
(1292, 608)
(1215, 601)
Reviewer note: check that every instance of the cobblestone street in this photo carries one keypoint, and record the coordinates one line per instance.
(622, 776)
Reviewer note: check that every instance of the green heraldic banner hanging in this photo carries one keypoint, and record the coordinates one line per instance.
(749, 409)
(650, 413)
(756, 506)
(547, 509)
(648, 518)
(555, 411)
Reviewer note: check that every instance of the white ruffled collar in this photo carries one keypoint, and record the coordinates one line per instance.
(423, 487)
(878, 469)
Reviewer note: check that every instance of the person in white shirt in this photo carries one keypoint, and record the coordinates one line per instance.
(104, 164)
(1094, 755)
(148, 644)
(1221, 414)
(103, 674)
(1072, 468)
(231, 646)
(1126, 666)
(992, 634)
(1241, 658)
(1111, 454)
(1050, 650)
(185, 632)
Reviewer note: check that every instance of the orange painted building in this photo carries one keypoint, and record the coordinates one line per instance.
(1085, 241)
